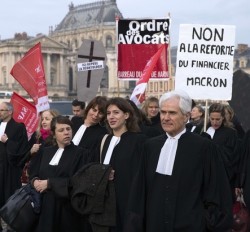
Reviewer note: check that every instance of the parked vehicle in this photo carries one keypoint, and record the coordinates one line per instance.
(63, 107)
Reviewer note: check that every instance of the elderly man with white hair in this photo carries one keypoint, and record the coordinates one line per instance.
(181, 185)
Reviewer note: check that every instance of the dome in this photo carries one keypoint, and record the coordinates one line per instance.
(88, 15)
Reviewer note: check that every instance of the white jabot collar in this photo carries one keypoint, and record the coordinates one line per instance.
(56, 158)
(167, 156)
(211, 131)
(193, 128)
(2, 128)
(114, 141)
(78, 136)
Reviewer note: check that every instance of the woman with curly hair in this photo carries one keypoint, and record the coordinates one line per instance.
(122, 150)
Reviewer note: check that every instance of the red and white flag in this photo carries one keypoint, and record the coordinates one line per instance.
(25, 112)
(29, 72)
(138, 94)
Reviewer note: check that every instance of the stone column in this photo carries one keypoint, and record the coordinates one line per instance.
(48, 77)
(61, 72)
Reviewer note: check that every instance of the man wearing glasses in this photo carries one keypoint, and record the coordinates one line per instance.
(13, 146)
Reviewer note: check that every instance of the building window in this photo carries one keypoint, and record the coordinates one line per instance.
(71, 79)
(109, 41)
(161, 85)
(4, 57)
(105, 79)
(4, 73)
(53, 77)
(242, 64)
(76, 43)
(151, 87)
(156, 87)
(68, 42)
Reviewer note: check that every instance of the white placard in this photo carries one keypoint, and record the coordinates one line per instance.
(204, 66)
(93, 65)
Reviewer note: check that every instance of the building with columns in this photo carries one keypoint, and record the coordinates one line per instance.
(96, 21)
(53, 53)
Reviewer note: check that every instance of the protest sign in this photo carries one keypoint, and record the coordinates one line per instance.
(25, 112)
(91, 61)
(204, 66)
(29, 72)
(138, 41)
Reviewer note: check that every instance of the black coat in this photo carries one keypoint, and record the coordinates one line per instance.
(11, 153)
(94, 195)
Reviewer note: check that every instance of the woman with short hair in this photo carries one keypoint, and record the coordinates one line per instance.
(50, 171)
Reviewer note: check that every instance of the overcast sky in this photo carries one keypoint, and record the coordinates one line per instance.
(35, 17)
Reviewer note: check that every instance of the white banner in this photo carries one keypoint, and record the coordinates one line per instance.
(93, 65)
(204, 66)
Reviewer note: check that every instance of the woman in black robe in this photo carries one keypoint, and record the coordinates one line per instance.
(144, 122)
(50, 171)
(151, 109)
(40, 138)
(197, 119)
(122, 150)
(226, 140)
(93, 127)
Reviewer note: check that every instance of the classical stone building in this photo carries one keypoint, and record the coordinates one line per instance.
(59, 49)
(242, 58)
(96, 21)
(54, 54)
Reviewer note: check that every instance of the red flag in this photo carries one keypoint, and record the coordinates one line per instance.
(138, 94)
(29, 72)
(25, 112)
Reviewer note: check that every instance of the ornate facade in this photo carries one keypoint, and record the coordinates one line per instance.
(242, 58)
(12, 50)
(96, 21)
(59, 49)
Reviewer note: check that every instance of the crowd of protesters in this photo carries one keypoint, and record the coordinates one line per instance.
(121, 168)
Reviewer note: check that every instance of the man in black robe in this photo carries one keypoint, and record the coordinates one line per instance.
(13, 146)
(78, 108)
(182, 184)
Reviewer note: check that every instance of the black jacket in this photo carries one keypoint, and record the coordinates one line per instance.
(94, 195)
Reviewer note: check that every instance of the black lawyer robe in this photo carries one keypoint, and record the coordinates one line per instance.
(11, 154)
(197, 193)
(244, 169)
(57, 214)
(156, 123)
(227, 140)
(91, 137)
(124, 160)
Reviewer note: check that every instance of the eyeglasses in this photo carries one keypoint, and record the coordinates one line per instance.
(3, 110)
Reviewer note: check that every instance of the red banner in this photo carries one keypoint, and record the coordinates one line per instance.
(138, 95)
(138, 41)
(29, 72)
(25, 112)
